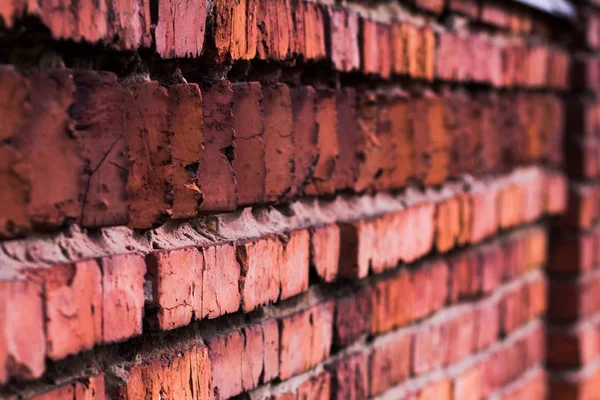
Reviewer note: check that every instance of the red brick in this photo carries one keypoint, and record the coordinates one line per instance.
(176, 285)
(510, 206)
(465, 275)
(536, 297)
(533, 204)
(495, 14)
(534, 344)
(236, 29)
(515, 256)
(187, 143)
(487, 323)
(390, 361)
(316, 386)
(536, 248)
(581, 158)
(430, 288)
(83, 389)
(100, 121)
(352, 316)
(309, 30)
(46, 132)
(467, 386)
(367, 148)
(325, 251)
(260, 280)
(274, 30)
(440, 390)
(249, 163)
(164, 376)
(73, 307)
(429, 347)
(21, 355)
(469, 8)
(575, 385)
(393, 133)
(491, 262)
(556, 193)
(123, 296)
(305, 136)
(533, 387)
(483, 222)
(375, 48)
(447, 224)
(349, 377)
(279, 141)
(435, 6)
(459, 125)
(305, 339)
(572, 347)
(559, 69)
(220, 281)
(512, 312)
(537, 60)
(461, 336)
(327, 144)
(343, 35)
(431, 142)
(216, 177)
(355, 239)
(180, 29)
(119, 24)
(388, 309)
(149, 183)
(293, 265)
(347, 165)
(237, 358)
(14, 219)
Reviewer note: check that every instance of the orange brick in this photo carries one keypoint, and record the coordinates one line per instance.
(467, 386)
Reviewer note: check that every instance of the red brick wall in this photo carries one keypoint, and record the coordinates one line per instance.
(289, 199)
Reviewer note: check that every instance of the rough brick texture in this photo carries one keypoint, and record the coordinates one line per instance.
(290, 199)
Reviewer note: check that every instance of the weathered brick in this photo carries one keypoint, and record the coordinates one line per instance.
(149, 183)
(163, 376)
(305, 339)
(278, 139)
(491, 264)
(327, 144)
(187, 143)
(393, 133)
(352, 316)
(487, 323)
(390, 361)
(123, 296)
(294, 264)
(249, 163)
(21, 355)
(429, 347)
(388, 309)
(305, 137)
(14, 189)
(260, 279)
(100, 121)
(275, 30)
(430, 288)
(220, 281)
(180, 29)
(343, 35)
(236, 29)
(349, 376)
(465, 275)
(216, 177)
(45, 134)
(461, 334)
(72, 307)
